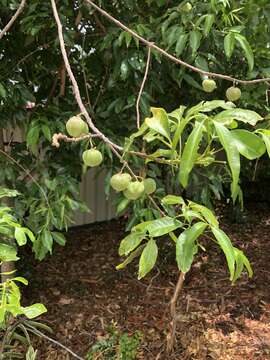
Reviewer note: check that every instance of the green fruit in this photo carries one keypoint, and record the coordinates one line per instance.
(86, 129)
(92, 157)
(209, 85)
(134, 190)
(149, 186)
(119, 182)
(76, 126)
(187, 7)
(233, 93)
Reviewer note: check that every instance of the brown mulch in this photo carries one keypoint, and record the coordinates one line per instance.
(84, 293)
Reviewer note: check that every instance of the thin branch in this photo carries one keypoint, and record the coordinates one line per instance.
(171, 334)
(39, 333)
(13, 19)
(142, 86)
(75, 86)
(61, 137)
(170, 56)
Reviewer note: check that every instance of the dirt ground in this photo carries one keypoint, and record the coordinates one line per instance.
(84, 293)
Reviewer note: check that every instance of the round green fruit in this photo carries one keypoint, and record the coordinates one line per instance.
(233, 93)
(187, 7)
(134, 190)
(76, 127)
(119, 182)
(92, 157)
(149, 186)
(209, 85)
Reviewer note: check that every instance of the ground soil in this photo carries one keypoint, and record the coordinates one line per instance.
(84, 293)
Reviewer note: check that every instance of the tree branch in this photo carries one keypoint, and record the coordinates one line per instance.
(170, 56)
(142, 86)
(75, 86)
(13, 19)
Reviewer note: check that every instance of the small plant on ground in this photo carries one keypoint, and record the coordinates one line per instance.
(116, 345)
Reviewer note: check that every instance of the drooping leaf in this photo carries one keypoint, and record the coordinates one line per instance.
(20, 236)
(181, 44)
(194, 41)
(130, 242)
(190, 153)
(173, 200)
(162, 226)
(209, 21)
(8, 253)
(131, 257)
(246, 48)
(265, 133)
(148, 258)
(229, 43)
(159, 122)
(206, 213)
(248, 144)
(226, 246)
(243, 115)
(186, 246)
(233, 156)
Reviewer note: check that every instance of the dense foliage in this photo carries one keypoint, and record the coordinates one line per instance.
(192, 151)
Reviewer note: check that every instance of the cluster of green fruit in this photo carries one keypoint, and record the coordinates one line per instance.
(233, 93)
(76, 127)
(132, 190)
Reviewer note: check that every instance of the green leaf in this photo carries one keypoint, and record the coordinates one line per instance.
(248, 144)
(194, 41)
(20, 236)
(266, 138)
(148, 258)
(159, 122)
(32, 137)
(122, 205)
(233, 156)
(47, 240)
(8, 253)
(226, 246)
(243, 115)
(131, 257)
(246, 48)
(130, 242)
(206, 213)
(181, 44)
(208, 106)
(229, 43)
(190, 153)
(59, 238)
(209, 21)
(186, 247)
(159, 227)
(173, 200)
(21, 280)
(192, 82)
(34, 310)
(8, 193)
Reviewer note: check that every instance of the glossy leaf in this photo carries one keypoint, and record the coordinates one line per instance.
(130, 242)
(131, 257)
(226, 246)
(8, 253)
(243, 115)
(33, 311)
(186, 246)
(190, 153)
(20, 236)
(229, 43)
(148, 258)
(248, 144)
(159, 122)
(232, 153)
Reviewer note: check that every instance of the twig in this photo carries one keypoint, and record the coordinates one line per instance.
(142, 86)
(75, 86)
(59, 137)
(37, 332)
(171, 334)
(170, 56)
(13, 19)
